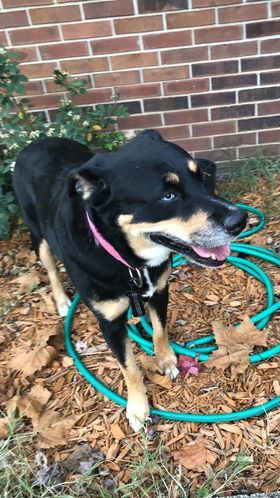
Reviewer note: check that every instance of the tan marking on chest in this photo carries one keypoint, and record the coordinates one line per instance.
(111, 308)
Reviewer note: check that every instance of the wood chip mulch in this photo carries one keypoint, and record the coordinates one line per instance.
(197, 298)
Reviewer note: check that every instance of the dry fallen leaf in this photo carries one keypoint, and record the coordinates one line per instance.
(27, 281)
(28, 361)
(161, 380)
(47, 305)
(52, 428)
(30, 405)
(67, 361)
(193, 456)
(235, 344)
(3, 428)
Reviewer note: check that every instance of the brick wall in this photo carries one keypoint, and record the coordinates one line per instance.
(204, 72)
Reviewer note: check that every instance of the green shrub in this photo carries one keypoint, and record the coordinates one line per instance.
(19, 126)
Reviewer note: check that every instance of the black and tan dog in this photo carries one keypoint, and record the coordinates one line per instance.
(113, 220)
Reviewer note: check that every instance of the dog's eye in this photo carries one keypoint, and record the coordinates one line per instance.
(170, 196)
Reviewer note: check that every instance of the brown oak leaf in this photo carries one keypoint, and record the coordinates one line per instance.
(28, 361)
(193, 456)
(235, 344)
(27, 281)
(3, 428)
(52, 428)
(161, 380)
(30, 405)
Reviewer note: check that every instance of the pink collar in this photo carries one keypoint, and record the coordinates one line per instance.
(106, 245)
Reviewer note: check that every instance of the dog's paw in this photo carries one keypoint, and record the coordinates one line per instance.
(168, 363)
(63, 308)
(137, 412)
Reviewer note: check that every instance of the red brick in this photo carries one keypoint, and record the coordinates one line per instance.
(94, 97)
(170, 132)
(210, 129)
(270, 150)
(243, 13)
(188, 116)
(233, 111)
(190, 19)
(234, 81)
(192, 144)
(213, 99)
(221, 33)
(269, 77)
(138, 24)
(166, 104)
(260, 93)
(166, 73)
(52, 87)
(210, 68)
(269, 136)
(264, 28)
(230, 50)
(91, 29)
(117, 78)
(109, 45)
(138, 91)
(184, 55)
(7, 4)
(26, 54)
(235, 140)
(141, 59)
(3, 39)
(217, 155)
(166, 40)
(270, 46)
(212, 3)
(140, 121)
(55, 14)
(29, 36)
(39, 70)
(112, 8)
(275, 9)
(62, 50)
(33, 87)
(259, 123)
(261, 63)
(145, 6)
(11, 19)
(268, 108)
(83, 66)
(45, 101)
(187, 86)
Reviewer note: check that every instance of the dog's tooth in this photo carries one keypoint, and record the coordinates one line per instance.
(213, 256)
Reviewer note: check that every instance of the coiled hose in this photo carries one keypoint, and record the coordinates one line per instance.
(201, 347)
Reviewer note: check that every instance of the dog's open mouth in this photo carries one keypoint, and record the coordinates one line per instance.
(203, 256)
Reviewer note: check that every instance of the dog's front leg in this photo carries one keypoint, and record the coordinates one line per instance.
(112, 321)
(165, 355)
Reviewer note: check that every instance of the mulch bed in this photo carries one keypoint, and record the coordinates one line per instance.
(197, 298)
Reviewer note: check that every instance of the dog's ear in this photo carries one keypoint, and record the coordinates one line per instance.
(89, 180)
(208, 173)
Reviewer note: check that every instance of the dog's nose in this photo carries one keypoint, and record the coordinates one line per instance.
(235, 222)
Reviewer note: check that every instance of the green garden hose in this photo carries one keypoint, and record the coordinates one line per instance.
(200, 347)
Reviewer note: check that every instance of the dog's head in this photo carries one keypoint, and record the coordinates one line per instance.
(161, 200)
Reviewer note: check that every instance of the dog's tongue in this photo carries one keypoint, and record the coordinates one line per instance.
(221, 252)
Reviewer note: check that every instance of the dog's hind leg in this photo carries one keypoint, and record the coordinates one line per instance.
(61, 300)
(165, 355)
(112, 319)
